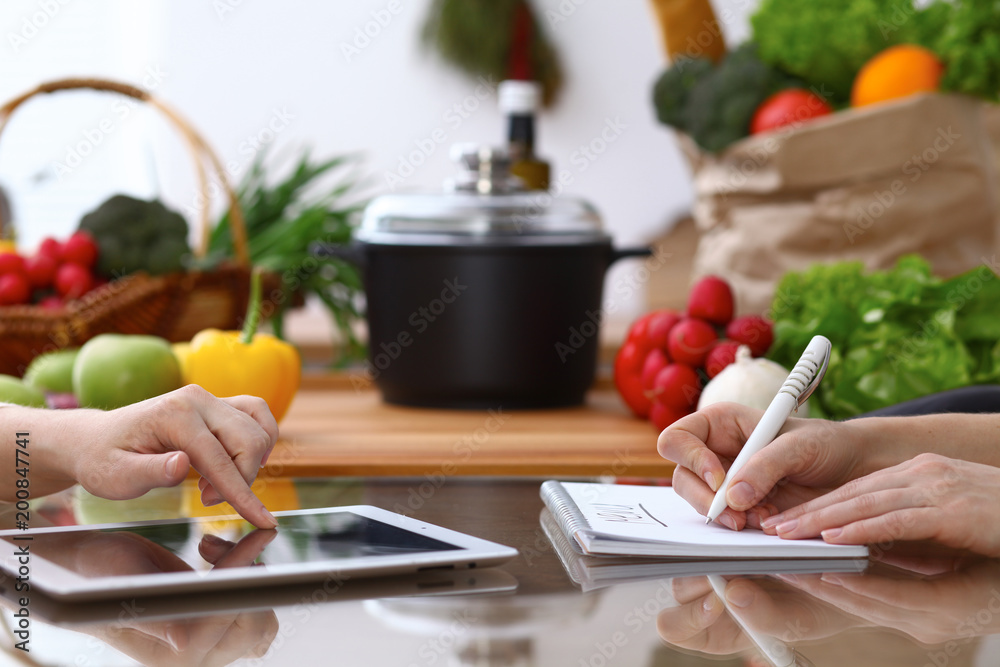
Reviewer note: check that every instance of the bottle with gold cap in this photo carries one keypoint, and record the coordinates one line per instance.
(519, 101)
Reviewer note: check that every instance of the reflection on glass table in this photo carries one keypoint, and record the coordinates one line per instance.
(940, 607)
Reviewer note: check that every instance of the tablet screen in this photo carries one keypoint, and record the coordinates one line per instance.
(303, 538)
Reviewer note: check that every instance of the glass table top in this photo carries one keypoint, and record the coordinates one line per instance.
(914, 606)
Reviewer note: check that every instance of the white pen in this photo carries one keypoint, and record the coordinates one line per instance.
(776, 651)
(801, 382)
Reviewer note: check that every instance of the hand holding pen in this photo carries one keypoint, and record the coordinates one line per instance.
(809, 457)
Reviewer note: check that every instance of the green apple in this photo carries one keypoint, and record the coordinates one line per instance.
(113, 370)
(12, 390)
(52, 371)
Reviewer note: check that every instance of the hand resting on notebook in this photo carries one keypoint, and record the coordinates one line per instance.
(864, 481)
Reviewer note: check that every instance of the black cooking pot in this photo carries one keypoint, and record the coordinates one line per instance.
(483, 297)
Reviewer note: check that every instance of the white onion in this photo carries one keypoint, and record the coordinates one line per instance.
(747, 381)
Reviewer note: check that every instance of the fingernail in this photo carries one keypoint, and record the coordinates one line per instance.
(174, 465)
(740, 495)
(709, 604)
(710, 480)
(212, 539)
(268, 516)
(739, 596)
(788, 578)
(831, 533)
(728, 521)
(787, 526)
(771, 521)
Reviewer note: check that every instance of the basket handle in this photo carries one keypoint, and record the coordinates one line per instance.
(196, 145)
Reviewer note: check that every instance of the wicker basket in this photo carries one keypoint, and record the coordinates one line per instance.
(174, 306)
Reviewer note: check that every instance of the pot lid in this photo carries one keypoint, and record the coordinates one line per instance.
(482, 203)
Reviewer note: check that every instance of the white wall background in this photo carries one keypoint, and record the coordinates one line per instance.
(239, 67)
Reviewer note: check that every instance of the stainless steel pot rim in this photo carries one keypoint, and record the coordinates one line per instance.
(480, 240)
(523, 213)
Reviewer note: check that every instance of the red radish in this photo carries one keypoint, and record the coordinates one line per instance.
(663, 415)
(753, 331)
(81, 249)
(660, 325)
(721, 355)
(51, 303)
(41, 270)
(11, 262)
(656, 360)
(711, 299)
(678, 386)
(14, 289)
(73, 281)
(690, 341)
(51, 247)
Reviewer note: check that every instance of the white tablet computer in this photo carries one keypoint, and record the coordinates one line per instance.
(326, 546)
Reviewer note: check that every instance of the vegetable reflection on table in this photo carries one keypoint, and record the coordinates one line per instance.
(218, 639)
(936, 604)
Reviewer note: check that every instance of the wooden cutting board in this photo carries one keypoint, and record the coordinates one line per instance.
(336, 429)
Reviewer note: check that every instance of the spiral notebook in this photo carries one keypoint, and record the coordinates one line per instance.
(625, 520)
(594, 572)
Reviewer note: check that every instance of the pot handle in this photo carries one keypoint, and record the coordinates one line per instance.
(353, 253)
(622, 253)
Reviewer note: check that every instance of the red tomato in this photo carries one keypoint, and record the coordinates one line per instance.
(80, 249)
(628, 377)
(14, 289)
(73, 281)
(788, 107)
(11, 262)
(41, 270)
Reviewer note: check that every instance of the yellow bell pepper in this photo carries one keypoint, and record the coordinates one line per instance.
(230, 363)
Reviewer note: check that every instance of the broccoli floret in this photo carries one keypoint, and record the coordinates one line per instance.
(714, 105)
(672, 88)
(136, 235)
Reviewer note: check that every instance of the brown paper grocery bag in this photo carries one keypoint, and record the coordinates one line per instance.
(870, 184)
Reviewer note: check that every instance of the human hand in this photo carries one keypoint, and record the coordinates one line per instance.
(208, 640)
(946, 607)
(124, 453)
(768, 608)
(808, 458)
(927, 498)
